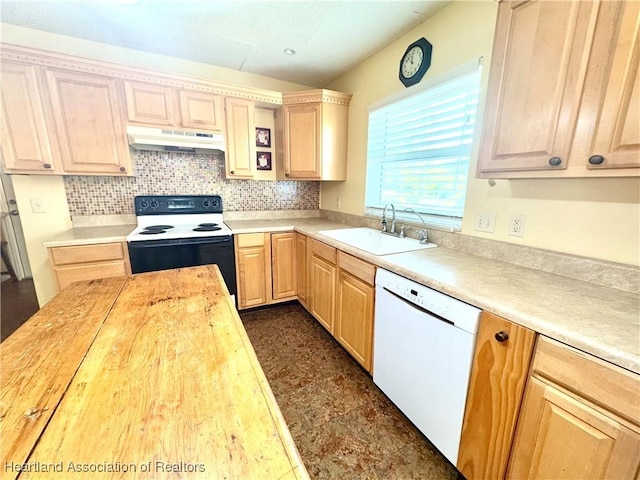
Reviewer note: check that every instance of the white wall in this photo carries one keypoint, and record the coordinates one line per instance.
(594, 217)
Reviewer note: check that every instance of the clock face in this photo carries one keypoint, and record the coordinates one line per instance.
(412, 62)
(415, 62)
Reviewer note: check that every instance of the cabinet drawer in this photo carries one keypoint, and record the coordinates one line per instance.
(250, 240)
(324, 251)
(78, 273)
(356, 267)
(87, 253)
(603, 383)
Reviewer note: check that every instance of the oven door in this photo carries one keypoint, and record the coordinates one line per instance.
(154, 255)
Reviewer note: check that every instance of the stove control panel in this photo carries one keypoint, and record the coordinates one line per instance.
(177, 204)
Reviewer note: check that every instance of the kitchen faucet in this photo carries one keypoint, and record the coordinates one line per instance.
(423, 233)
(393, 219)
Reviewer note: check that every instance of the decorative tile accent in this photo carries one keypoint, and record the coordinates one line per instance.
(172, 173)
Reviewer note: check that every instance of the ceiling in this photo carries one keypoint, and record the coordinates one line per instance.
(329, 36)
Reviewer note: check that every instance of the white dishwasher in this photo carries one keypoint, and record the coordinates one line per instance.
(423, 351)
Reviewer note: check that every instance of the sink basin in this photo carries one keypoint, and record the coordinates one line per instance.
(375, 242)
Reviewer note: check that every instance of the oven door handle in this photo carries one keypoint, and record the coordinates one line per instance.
(182, 241)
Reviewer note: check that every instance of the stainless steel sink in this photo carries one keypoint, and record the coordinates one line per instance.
(375, 242)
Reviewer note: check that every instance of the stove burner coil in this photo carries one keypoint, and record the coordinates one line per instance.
(158, 227)
(207, 229)
(207, 225)
(152, 232)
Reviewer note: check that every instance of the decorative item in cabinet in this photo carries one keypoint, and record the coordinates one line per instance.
(545, 103)
(314, 142)
(27, 146)
(89, 123)
(240, 156)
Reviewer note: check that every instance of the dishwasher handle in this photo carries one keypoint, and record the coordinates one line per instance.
(418, 307)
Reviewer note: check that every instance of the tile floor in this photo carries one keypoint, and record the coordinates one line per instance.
(17, 303)
(343, 425)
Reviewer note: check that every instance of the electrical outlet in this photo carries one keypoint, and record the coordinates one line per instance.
(37, 205)
(485, 222)
(516, 225)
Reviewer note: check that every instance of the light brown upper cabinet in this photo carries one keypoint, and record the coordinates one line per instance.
(26, 140)
(315, 135)
(159, 105)
(563, 98)
(89, 123)
(240, 157)
(150, 104)
(202, 110)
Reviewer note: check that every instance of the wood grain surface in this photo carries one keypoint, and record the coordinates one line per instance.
(38, 362)
(170, 388)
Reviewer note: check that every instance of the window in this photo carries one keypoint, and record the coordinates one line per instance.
(419, 150)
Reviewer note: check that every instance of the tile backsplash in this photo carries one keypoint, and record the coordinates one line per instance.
(170, 173)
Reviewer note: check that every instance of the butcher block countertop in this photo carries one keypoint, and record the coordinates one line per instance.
(144, 377)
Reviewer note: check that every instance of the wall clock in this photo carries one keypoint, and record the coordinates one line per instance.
(415, 62)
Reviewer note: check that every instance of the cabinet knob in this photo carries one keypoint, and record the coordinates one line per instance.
(555, 161)
(47, 165)
(286, 174)
(596, 159)
(122, 169)
(502, 336)
(232, 172)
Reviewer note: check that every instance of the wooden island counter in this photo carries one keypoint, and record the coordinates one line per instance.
(150, 376)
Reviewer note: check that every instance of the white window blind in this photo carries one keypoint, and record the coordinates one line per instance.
(419, 149)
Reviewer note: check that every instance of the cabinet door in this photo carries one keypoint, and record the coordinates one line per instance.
(240, 156)
(25, 137)
(301, 267)
(283, 265)
(149, 104)
(496, 387)
(89, 123)
(354, 317)
(202, 110)
(561, 437)
(535, 84)
(323, 291)
(252, 281)
(616, 134)
(302, 143)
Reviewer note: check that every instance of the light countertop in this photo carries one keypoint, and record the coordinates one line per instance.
(602, 321)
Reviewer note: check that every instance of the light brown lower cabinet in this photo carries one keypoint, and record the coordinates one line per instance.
(322, 283)
(498, 376)
(580, 419)
(355, 294)
(341, 297)
(265, 268)
(89, 262)
(301, 267)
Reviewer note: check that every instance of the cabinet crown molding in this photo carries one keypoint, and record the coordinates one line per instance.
(69, 62)
(319, 95)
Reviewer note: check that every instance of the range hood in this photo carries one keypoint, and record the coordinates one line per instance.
(146, 138)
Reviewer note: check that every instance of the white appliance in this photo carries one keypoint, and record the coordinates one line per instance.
(423, 351)
(147, 138)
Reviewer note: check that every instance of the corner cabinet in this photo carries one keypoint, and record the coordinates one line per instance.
(580, 418)
(563, 91)
(314, 139)
(89, 123)
(266, 268)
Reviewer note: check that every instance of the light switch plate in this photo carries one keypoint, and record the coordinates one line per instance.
(37, 205)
